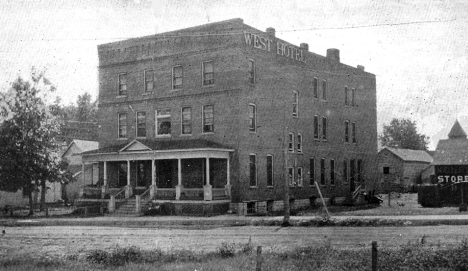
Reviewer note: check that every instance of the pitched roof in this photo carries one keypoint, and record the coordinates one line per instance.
(411, 155)
(85, 145)
(457, 131)
(164, 145)
(452, 151)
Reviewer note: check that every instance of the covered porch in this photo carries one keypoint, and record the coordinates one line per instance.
(199, 171)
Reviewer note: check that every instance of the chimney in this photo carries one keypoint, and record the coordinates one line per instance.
(305, 46)
(333, 54)
(360, 67)
(271, 31)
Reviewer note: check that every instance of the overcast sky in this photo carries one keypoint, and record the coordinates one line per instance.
(417, 49)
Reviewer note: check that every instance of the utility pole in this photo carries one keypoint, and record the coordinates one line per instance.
(287, 211)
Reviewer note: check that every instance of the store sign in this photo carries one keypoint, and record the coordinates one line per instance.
(266, 44)
(452, 173)
(452, 179)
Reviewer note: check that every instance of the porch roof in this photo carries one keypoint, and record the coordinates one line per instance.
(161, 145)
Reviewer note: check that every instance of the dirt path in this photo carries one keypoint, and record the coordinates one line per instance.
(65, 240)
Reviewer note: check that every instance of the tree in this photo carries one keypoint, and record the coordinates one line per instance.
(28, 151)
(86, 110)
(402, 133)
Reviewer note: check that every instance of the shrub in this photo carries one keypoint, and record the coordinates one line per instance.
(246, 248)
(97, 256)
(227, 250)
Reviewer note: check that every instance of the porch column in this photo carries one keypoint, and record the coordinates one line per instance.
(208, 195)
(153, 179)
(128, 188)
(227, 187)
(104, 187)
(179, 179)
(83, 173)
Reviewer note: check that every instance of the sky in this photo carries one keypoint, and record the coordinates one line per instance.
(416, 49)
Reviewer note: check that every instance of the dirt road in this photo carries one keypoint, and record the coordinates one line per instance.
(64, 240)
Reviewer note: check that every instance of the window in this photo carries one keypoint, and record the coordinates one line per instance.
(163, 122)
(332, 172)
(291, 142)
(141, 124)
(299, 176)
(346, 129)
(186, 120)
(299, 143)
(122, 125)
(177, 73)
(353, 91)
(346, 96)
(149, 81)
(312, 171)
(269, 169)
(345, 170)
(253, 170)
(359, 170)
(353, 131)
(316, 127)
(295, 105)
(291, 176)
(251, 71)
(324, 128)
(324, 90)
(386, 170)
(208, 119)
(122, 84)
(252, 118)
(352, 170)
(322, 171)
(208, 73)
(315, 88)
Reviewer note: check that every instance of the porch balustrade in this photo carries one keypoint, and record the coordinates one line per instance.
(192, 194)
(219, 193)
(165, 193)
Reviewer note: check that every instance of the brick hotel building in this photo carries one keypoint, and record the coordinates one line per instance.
(223, 115)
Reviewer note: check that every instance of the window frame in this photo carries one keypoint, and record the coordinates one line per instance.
(323, 172)
(123, 124)
(120, 84)
(324, 89)
(346, 139)
(353, 132)
(137, 121)
(291, 142)
(145, 81)
(252, 71)
(300, 177)
(316, 128)
(270, 171)
(324, 128)
(295, 104)
(157, 117)
(299, 142)
(183, 122)
(353, 93)
(174, 78)
(315, 84)
(359, 170)
(207, 82)
(332, 171)
(253, 118)
(205, 118)
(387, 170)
(253, 166)
(345, 171)
(312, 171)
(346, 102)
(291, 176)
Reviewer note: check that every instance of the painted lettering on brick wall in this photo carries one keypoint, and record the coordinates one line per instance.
(452, 179)
(282, 49)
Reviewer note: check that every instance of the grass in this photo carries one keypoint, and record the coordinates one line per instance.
(417, 256)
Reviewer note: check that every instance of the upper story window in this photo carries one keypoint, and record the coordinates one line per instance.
(324, 128)
(346, 129)
(352, 170)
(324, 90)
(291, 142)
(177, 77)
(208, 73)
(353, 95)
(312, 171)
(386, 170)
(322, 172)
(253, 170)
(346, 102)
(332, 172)
(315, 86)
(299, 177)
(291, 176)
(295, 105)
(251, 71)
(252, 118)
(141, 124)
(122, 84)
(359, 170)
(149, 81)
(345, 170)
(186, 120)
(299, 143)
(208, 119)
(269, 169)
(353, 131)
(316, 127)
(122, 124)
(163, 122)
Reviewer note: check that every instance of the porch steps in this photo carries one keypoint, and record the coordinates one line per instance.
(129, 208)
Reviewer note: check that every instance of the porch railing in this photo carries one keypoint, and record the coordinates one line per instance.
(165, 193)
(357, 191)
(120, 195)
(91, 192)
(219, 193)
(145, 195)
(192, 194)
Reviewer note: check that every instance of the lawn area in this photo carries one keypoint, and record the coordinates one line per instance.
(403, 204)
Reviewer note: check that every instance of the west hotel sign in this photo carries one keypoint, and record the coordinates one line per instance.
(452, 173)
(266, 44)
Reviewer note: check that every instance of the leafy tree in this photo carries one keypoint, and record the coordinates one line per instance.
(28, 151)
(402, 133)
(86, 110)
